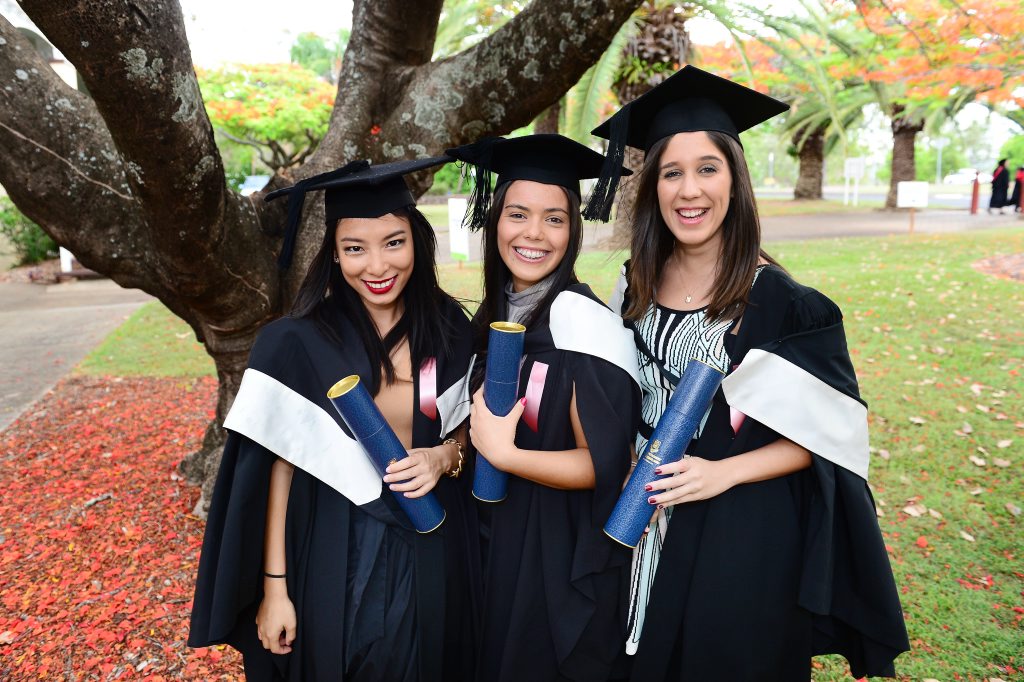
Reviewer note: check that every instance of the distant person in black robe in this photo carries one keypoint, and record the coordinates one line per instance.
(1000, 186)
(555, 584)
(764, 549)
(309, 567)
(1015, 197)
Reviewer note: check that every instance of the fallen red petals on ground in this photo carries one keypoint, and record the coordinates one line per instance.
(98, 544)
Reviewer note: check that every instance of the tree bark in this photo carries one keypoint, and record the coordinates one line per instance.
(131, 181)
(811, 152)
(548, 121)
(622, 230)
(904, 132)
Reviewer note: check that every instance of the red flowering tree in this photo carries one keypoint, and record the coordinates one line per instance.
(281, 110)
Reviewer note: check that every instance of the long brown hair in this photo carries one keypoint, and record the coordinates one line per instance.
(652, 242)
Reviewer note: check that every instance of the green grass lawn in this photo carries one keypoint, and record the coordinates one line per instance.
(939, 350)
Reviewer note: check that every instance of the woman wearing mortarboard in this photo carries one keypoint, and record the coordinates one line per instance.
(766, 550)
(554, 583)
(309, 567)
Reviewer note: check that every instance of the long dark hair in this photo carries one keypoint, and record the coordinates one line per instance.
(497, 275)
(324, 294)
(652, 242)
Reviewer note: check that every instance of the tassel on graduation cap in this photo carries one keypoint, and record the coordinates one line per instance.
(479, 199)
(296, 198)
(599, 205)
(480, 156)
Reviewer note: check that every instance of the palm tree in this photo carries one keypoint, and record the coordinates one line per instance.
(655, 47)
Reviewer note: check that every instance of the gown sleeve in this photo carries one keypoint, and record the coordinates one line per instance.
(608, 404)
(803, 386)
(230, 566)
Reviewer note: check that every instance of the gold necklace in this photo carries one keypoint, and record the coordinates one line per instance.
(679, 270)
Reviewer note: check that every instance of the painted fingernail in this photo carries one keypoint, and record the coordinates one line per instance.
(661, 506)
(523, 402)
(657, 472)
(648, 487)
(652, 500)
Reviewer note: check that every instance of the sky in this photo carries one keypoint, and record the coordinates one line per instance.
(257, 31)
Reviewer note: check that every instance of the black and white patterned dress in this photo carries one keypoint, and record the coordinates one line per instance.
(673, 336)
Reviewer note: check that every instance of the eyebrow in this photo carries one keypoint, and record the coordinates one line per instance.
(706, 157)
(546, 210)
(396, 233)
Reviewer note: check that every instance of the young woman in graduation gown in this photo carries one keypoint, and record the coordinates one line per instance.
(308, 566)
(555, 584)
(766, 550)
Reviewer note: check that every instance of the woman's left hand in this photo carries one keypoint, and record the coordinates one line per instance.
(695, 479)
(417, 474)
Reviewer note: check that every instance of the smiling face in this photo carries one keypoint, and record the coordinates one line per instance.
(694, 187)
(533, 231)
(376, 258)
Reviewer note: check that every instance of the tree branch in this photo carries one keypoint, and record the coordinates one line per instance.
(62, 168)
(137, 66)
(506, 80)
(390, 40)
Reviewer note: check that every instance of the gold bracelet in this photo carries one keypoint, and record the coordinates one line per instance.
(457, 469)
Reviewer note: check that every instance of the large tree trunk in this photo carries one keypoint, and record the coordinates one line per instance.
(131, 181)
(662, 39)
(548, 121)
(904, 131)
(622, 230)
(811, 152)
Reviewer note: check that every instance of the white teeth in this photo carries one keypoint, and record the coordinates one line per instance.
(532, 254)
(380, 285)
(692, 213)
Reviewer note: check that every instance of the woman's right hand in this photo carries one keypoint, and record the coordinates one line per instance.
(275, 622)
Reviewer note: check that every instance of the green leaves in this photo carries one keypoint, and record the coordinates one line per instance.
(282, 110)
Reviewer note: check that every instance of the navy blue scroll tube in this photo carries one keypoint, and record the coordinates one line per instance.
(675, 430)
(353, 402)
(501, 390)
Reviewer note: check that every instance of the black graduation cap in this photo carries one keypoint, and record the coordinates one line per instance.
(689, 100)
(547, 158)
(356, 190)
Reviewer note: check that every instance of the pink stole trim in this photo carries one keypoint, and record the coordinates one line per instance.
(428, 388)
(534, 392)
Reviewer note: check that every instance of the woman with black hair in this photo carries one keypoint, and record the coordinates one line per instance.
(309, 567)
(555, 584)
(763, 549)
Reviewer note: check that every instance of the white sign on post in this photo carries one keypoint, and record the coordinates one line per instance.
(911, 194)
(458, 235)
(853, 169)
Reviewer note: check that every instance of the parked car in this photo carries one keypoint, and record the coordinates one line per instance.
(965, 176)
(253, 184)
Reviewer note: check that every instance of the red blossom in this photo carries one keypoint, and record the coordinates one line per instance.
(100, 546)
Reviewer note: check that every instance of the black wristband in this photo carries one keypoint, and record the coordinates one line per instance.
(274, 575)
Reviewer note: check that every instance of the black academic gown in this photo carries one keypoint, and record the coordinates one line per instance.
(1000, 187)
(375, 600)
(555, 584)
(753, 582)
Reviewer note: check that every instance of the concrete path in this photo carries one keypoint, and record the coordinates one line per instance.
(46, 330)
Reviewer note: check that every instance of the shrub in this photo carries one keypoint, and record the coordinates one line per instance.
(30, 243)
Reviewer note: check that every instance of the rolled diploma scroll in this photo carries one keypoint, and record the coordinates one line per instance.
(675, 430)
(353, 402)
(501, 390)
